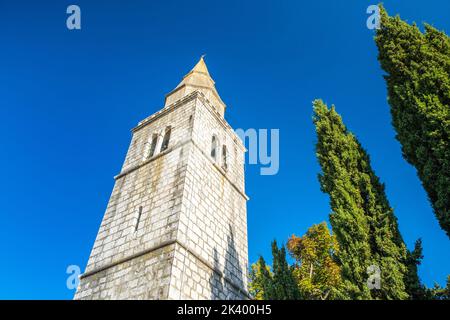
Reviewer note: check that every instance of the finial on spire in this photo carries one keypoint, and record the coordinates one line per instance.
(203, 55)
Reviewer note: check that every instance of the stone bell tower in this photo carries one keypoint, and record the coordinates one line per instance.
(176, 224)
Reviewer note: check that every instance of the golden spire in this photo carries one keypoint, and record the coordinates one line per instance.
(200, 67)
(198, 79)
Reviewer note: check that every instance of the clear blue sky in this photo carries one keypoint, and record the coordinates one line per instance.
(68, 100)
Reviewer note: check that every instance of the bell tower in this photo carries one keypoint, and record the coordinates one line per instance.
(175, 226)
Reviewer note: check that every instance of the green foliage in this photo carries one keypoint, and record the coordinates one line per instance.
(317, 273)
(260, 277)
(415, 289)
(277, 285)
(418, 81)
(438, 293)
(365, 227)
(361, 217)
(284, 286)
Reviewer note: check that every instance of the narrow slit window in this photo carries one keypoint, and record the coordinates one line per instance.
(166, 139)
(224, 158)
(153, 145)
(138, 219)
(213, 147)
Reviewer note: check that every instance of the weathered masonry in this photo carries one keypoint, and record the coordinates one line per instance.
(176, 224)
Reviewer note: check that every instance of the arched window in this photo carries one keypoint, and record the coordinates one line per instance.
(214, 148)
(153, 145)
(166, 139)
(224, 157)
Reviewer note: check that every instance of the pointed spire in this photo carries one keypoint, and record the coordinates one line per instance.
(201, 66)
(198, 79)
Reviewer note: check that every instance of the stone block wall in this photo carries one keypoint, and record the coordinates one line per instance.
(175, 225)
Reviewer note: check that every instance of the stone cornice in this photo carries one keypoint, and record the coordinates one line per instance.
(128, 258)
(179, 103)
(197, 86)
(170, 149)
(160, 246)
(165, 110)
(145, 162)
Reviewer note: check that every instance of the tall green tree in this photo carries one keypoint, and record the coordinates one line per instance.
(361, 217)
(317, 272)
(260, 280)
(279, 284)
(418, 82)
(415, 289)
(284, 285)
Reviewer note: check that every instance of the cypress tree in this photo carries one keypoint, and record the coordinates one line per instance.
(416, 290)
(260, 286)
(361, 217)
(284, 285)
(418, 82)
